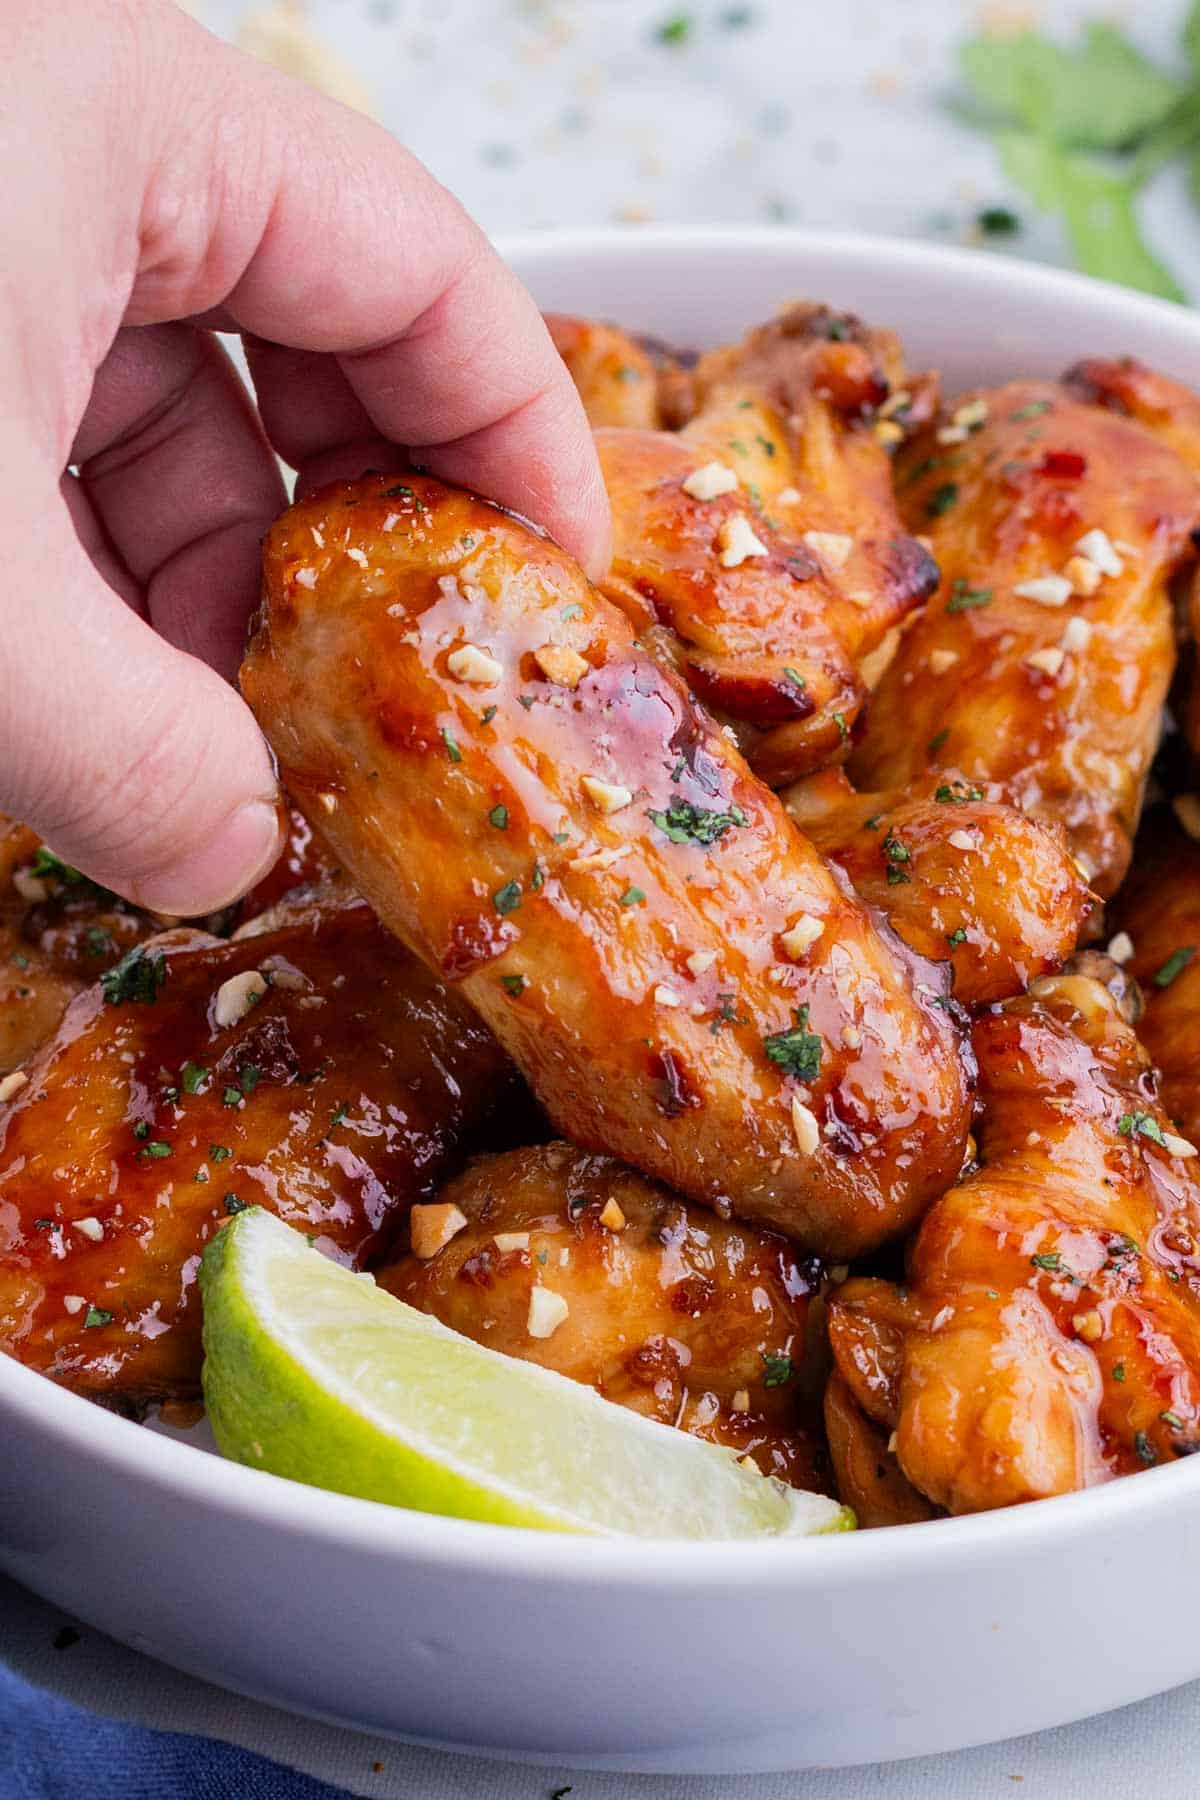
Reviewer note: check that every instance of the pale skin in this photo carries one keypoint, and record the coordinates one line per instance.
(159, 185)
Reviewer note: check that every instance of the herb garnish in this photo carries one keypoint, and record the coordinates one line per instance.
(942, 499)
(154, 1151)
(896, 853)
(96, 1315)
(1032, 409)
(956, 937)
(219, 1153)
(794, 676)
(507, 898)
(1175, 964)
(777, 1370)
(1141, 1124)
(633, 896)
(1047, 1259)
(937, 740)
(235, 1204)
(684, 823)
(798, 1051)
(947, 794)
(963, 596)
(452, 749)
(513, 984)
(137, 978)
(193, 1077)
(1145, 1449)
(499, 818)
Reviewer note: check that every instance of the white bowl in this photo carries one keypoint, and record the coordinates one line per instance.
(619, 1654)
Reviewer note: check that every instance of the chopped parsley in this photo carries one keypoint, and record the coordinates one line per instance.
(1175, 964)
(1047, 1259)
(249, 1078)
(937, 740)
(137, 978)
(896, 854)
(728, 1013)
(633, 896)
(839, 720)
(956, 937)
(1033, 409)
(777, 1370)
(794, 676)
(219, 1153)
(1118, 1373)
(97, 941)
(499, 818)
(684, 823)
(838, 330)
(235, 1204)
(231, 1096)
(873, 823)
(538, 879)
(507, 899)
(154, 1151)
(1172, 1419)
(963, 596)
(339, 1113)
(488, 714)
(1141, 1124)
(96, 1315)
(571, 612)
(142, 1129)
(797, 1051)
(513, 984)
(1146, 1452)
(948, 795)
(452, 749)
(526, 700)
(766, 443)
(401, 492)
(193, 1077)
(942, 499)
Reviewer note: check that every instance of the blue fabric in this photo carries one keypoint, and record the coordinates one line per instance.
(51, 1750)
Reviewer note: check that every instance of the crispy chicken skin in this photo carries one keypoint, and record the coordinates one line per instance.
(1069, 734)
(1159, 907)
(866, 1473)
(771, 641)
(673, 1312)
(617, 378)
(335, 1102)
(1171, 410)
(546, 817)
(1048, 1334)
(961, 876)
(58, 932)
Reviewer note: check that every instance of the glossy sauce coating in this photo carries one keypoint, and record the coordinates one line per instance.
(617, 378)
(1048, 1334)
(866, 1473)
(1070, 735)
(961, 876)
(1159, 907)
(673, 1312)
(335, 1102)
(591, 859)
(56, 936)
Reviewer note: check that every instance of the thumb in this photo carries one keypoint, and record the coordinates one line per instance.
(135, 762)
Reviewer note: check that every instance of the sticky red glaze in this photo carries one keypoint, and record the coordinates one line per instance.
(1048, 1336)
(1003, 903)
(367, 1074)
(1072, 745)
(676, 1314)
(866, 1472)
(1159, 907)
(565, 956)
(304, 862)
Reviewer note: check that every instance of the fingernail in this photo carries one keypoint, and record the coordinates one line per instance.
(237, 856)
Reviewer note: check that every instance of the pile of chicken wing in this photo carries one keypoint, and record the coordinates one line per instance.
(764, 985)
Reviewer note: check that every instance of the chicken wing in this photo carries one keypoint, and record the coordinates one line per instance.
(659, 1306)
(171, 1098)
(960, 876)
(58, 932)
(619, 380)
(545, 816)
(1044, 661)
(760, 549)
(1159, 909)
(1048, 1334)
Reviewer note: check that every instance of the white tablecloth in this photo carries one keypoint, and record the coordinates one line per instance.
(549, 112)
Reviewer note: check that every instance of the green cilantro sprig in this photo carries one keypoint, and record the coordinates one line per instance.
(1082, 129)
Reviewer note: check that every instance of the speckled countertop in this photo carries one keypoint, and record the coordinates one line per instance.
(542, 113)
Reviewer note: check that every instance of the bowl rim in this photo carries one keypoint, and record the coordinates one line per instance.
(181, 1471)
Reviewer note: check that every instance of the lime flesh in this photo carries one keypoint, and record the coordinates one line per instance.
(314, 1373)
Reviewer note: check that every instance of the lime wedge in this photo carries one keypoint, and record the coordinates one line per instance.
(314, 1373)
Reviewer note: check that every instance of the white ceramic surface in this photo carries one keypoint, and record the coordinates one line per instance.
(666, 1656)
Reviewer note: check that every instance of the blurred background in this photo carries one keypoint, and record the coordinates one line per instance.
(867, 115)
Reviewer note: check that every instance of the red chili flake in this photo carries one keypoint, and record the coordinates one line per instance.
(1067, 463)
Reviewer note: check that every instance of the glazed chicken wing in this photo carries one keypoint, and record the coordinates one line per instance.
(659, 1306)
(171, 1098)
(620, 381)
(1159, 908)
(961, 877)
(1048, 1334)
(760, 549)
(1043, 663)
(543, 813)
(58, 932)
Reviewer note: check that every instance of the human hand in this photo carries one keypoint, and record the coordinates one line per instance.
(159, 185)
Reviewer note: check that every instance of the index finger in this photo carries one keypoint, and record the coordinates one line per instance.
(313, 228)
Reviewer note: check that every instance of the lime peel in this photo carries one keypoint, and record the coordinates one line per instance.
(313, 1373)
